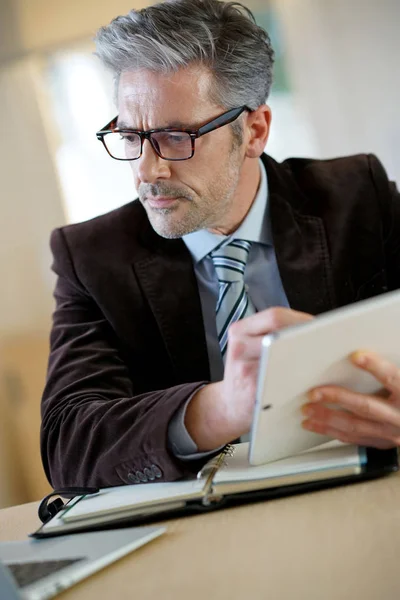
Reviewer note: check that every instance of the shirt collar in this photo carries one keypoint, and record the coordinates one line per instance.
(255, 227)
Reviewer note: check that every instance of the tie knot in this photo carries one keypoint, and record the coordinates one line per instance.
(230, 260)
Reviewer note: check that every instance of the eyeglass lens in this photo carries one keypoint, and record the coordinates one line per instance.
(171, 145)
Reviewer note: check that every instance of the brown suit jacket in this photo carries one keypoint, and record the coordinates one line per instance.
(128, 344)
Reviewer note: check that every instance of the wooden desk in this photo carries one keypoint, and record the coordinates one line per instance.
(336, 544)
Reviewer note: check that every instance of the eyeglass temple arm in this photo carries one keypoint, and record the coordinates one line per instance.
(109, 127)
(224, 119)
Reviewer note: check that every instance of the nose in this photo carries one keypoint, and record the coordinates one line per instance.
(150, 167)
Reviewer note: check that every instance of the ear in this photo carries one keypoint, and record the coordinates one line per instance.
(257, 128)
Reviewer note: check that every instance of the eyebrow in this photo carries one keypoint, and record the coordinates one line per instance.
(174, 124)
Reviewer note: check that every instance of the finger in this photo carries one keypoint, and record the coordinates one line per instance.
(383, 370)
(246, 348)
(350, 425)
(269, 320)
(373, 408)
(245, 336)
(347, 438)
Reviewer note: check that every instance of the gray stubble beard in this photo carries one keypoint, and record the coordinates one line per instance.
(203, 221)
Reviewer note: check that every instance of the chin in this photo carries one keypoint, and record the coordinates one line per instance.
(167, 229)
(168, 225)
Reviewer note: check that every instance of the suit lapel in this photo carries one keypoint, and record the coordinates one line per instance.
(165, 272)
(300, 244)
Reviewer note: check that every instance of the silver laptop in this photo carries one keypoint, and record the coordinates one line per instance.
(40, 569)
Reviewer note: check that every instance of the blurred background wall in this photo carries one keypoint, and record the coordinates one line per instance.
(337, 91)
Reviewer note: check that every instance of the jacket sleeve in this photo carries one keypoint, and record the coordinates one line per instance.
(95, 429)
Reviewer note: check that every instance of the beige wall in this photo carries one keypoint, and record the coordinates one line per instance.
(23, 362)
(343, 59)
(30, 204)
(27, 25)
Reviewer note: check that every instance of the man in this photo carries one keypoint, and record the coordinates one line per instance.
(162, 304)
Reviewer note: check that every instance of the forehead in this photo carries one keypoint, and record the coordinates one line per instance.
(148, 99)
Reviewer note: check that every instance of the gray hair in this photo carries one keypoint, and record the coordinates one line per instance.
(174, 34)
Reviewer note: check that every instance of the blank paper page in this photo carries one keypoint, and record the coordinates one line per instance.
(237, 467)
(124, 497)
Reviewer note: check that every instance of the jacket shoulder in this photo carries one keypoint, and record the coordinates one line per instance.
(117, 229)
(131, 215)
(352, 170)
(309, 182)
(338, 168)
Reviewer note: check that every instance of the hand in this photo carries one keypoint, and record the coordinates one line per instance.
(223, 411)
(368, 420)
(242, 361)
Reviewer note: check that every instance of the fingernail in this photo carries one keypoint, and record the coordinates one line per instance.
(316, 395)
(360, 358)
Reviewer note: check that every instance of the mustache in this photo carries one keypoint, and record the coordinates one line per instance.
(162, 189)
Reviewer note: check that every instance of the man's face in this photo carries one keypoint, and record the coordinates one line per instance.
(183, 196)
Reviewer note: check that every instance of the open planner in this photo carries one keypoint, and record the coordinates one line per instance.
(226, 480)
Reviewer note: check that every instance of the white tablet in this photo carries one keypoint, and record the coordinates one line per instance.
(296, 359)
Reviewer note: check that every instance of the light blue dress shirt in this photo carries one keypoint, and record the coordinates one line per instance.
(264, 287)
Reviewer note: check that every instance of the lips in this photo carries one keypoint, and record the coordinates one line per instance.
(160, 201)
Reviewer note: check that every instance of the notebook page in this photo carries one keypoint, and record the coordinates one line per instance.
(123, 498)
(330, 456)
(57, 524)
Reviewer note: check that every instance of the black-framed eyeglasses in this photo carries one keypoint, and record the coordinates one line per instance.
(170, 143)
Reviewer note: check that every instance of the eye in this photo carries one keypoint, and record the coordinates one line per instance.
(177, 137)
(172, 137)
(129, 138)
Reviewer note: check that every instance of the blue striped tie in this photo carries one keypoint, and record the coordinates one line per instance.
(233, 302)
